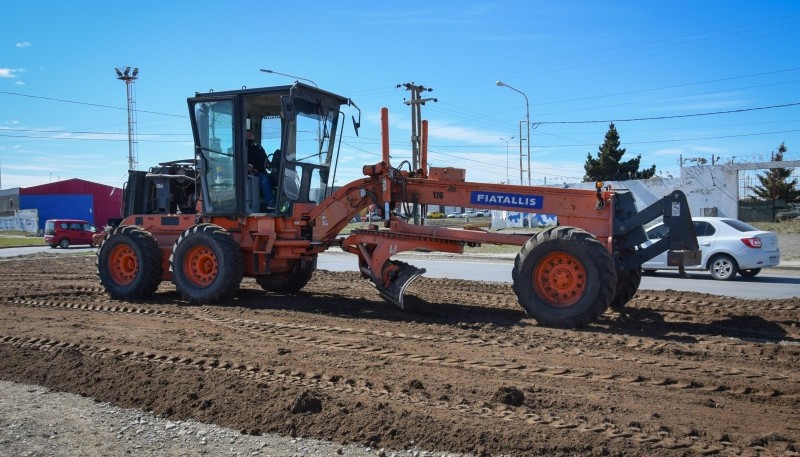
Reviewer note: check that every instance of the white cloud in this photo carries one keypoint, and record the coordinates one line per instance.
(19, 83)
(24, 44)
(10, 72)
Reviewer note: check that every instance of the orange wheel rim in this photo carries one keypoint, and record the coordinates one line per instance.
(200, 265)
(559, 279)
(124, 265)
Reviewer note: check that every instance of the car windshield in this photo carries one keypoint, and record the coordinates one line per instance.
(739, 225)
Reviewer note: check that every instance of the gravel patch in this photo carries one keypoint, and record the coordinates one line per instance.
(35, 421)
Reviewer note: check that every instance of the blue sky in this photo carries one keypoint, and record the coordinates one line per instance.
(62, 110)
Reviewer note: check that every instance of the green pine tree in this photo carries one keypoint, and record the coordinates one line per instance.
(775, 183)
(608, 166)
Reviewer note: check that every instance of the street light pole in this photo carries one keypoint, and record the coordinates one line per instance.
(508, 180)
(528, 138)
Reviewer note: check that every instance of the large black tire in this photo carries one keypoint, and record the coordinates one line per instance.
(206, 264)
(564, 277)
(627, 283)
(750, 272)
(723, 267)
(129, 263)
(292, 282)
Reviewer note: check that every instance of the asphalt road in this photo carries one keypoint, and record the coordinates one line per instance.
(771, 283)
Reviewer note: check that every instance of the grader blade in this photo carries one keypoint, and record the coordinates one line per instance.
(400, 275)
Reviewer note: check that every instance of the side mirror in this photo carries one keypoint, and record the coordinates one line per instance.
(356, 124)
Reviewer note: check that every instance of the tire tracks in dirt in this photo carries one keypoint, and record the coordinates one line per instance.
(663, 438)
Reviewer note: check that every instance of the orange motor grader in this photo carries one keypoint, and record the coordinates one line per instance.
(203, 225)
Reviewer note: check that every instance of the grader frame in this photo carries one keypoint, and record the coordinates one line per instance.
(563, 276)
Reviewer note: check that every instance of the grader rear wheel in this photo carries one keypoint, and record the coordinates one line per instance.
(129, 263)
(564, 277)
(206, 264)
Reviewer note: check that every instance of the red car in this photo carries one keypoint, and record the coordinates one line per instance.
(64, 232)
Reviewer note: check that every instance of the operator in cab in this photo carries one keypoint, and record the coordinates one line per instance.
(256, 159)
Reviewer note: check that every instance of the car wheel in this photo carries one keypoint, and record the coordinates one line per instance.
(722, 267)
(53, 246)
(749, 273)
(64, 243)
(648, 272)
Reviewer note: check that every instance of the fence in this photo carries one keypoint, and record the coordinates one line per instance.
(760, 211)
(24, 220)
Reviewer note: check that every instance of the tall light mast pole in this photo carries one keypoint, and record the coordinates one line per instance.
(129, 78)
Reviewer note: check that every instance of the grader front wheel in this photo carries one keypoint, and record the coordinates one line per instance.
(627, 283)
(564, 277)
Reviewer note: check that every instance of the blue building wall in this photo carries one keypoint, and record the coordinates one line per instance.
(59, 207)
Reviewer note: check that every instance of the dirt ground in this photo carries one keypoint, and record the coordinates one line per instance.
(463, 369)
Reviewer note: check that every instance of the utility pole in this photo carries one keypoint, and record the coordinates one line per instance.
(129, 78)
(416, 103)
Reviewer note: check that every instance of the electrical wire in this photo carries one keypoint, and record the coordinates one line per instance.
(89, 104)
(676, 116)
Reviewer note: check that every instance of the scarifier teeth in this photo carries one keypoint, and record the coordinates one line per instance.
(403, 276)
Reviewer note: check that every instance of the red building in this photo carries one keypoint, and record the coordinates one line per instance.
(73, 199)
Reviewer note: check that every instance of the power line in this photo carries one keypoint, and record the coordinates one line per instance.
(11, 129)
(540, 146)
(89, 139)
(677, 116)
(88, 104)
(675, 86)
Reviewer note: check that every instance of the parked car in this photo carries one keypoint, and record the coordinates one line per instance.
(729, 246)
(371, 216)
(787, 214)
(65, 232)
(401, 215)
(452, 215)
(435, 215)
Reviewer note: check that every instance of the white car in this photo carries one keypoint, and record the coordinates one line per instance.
(729, 246)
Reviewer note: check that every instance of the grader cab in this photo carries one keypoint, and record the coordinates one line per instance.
(204, 223)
